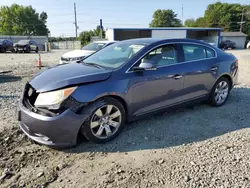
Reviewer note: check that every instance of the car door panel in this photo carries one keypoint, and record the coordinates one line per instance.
(157, 89)
(199, 75)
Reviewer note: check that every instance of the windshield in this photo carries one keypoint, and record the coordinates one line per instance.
(115, 55)
(93, 46)
(23, 42)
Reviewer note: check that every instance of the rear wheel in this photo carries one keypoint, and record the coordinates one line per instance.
(220, 92)
(106, 121)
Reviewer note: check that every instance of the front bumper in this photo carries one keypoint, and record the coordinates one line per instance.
(59, 131)
(20, 49)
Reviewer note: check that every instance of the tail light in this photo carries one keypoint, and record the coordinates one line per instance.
(236, 62)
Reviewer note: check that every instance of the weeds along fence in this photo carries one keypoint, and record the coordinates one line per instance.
(65, 45)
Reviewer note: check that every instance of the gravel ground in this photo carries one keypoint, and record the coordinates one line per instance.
(191, 147)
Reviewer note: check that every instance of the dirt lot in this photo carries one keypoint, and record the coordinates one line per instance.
(190, 147)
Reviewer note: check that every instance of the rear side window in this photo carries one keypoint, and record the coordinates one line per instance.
(210, 53)
(193, 52)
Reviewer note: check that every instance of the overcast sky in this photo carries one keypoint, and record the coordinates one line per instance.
(115, 13)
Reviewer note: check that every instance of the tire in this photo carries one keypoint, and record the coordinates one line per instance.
(3, 50)
(101, 127)
(220, 92)
(36, 50)
(28, 50)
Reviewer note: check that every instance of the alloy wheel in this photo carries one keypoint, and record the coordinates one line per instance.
(221, 92)
(105, 121)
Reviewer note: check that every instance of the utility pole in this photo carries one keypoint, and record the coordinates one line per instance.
(182, 15)
(76, 27)
(242, 22)
(101, 28)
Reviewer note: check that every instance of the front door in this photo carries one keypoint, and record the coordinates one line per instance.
(156, 89)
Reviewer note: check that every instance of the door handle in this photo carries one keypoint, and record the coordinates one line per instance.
(177, 76)
(214, 68)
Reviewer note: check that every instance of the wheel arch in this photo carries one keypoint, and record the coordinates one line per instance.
(120, 99)
(228, 77)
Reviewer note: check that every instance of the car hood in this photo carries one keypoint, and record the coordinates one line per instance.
(77, 53)
(68, 74)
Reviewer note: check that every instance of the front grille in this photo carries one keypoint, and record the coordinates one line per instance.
(65, 59)
(29, 96)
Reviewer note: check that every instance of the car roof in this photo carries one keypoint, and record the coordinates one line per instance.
(104, 41)
(149, 41)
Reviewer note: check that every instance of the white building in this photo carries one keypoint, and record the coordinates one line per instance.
(238, 37)
(210, 35)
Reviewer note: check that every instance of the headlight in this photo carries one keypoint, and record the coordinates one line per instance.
(76, 58)
(53, 97)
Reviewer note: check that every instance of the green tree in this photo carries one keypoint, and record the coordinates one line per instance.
(85, 36)
(190, 22)
(97, 31)
(226, 16)
(22, 20)
(165, 18)
(201, 22)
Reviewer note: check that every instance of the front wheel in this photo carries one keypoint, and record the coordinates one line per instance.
(36, 50)
(3, 50)
(106, 121)
(220, 92)
(28, 50)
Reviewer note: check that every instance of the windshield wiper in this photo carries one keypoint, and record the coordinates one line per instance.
(94, 64)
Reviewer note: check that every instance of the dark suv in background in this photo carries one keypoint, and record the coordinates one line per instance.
(227, 44)
(26, 46)
(6, 45)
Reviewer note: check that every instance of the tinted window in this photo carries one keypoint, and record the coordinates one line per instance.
(193, 52)
(162, 56)
(93, 46)
(210, 53)
(23, 42)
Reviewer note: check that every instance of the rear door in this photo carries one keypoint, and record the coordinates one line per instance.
(200, 67)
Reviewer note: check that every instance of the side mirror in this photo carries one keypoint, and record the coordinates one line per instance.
(145, 65)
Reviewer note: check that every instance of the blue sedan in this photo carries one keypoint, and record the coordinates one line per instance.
(120, 83)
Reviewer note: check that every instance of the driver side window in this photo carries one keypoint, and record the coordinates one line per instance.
(162, 56)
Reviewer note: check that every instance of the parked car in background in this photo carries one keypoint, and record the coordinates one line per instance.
(227, 44)
(6, 45)
(120, 83)
(76, 56)
(248, 45)
(26, 46)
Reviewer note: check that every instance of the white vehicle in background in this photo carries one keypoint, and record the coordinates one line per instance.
(248, 45)
(76, 56)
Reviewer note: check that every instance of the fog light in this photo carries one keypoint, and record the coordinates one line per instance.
(42, 136)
